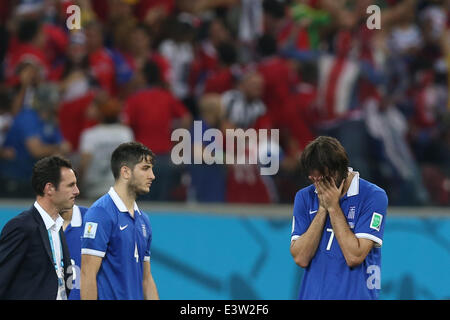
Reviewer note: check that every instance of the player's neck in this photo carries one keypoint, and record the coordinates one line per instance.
(128, 198)
(67, 216)
(347, 183)
(48, 206)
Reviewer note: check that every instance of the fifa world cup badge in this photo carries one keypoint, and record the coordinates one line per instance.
(375, 223)
(90, 230)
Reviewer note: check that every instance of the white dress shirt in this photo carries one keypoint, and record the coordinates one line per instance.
(54, 226)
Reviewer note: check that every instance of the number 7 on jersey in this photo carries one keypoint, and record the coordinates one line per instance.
(330, 241)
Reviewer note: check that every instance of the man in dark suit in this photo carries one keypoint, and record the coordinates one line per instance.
(34, 256)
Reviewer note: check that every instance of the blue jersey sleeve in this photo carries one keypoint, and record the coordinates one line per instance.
(97, 231)
(148, 252)
(371, 221)
(300, 219)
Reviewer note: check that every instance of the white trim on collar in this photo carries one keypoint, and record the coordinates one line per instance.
(353, 190)
(76, 217)
(119, 203)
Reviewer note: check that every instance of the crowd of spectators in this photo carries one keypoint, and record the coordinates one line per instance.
(138, 69)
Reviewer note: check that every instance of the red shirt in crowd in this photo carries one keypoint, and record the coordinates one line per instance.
(20, 53)
(72, 116)
(246, 185)
(206, 61)
(55, 46)
(298, 117)
(155, 57)
(278, 80)
(143, 6)
(219, 81)
(56, 42)
(150, 113)
(102, 66)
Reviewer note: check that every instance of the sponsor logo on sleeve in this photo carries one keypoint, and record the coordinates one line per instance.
(375, 223)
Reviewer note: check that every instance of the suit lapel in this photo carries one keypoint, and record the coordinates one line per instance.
(43, 233)
(66, 258)
(65, 249)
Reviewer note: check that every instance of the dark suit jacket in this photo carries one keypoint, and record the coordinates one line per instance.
(26, 261)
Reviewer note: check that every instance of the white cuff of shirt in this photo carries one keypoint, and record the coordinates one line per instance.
(93, 252)
(378, 241)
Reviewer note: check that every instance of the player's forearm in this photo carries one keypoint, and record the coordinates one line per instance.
(88, 286)
(353, 253)
(304, 248)
(150, 291)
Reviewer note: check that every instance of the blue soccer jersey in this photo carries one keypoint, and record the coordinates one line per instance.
(74, 234)
(122, 241)
(328, 276)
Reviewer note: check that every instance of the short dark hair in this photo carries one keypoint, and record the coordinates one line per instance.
(47, 170)
(327, 156)
(267, 45)
(227, 53)
(28, 30)
(275, 8)
(152, 73)
(129, 154)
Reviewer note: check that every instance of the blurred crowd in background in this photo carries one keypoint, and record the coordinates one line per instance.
(138, 69)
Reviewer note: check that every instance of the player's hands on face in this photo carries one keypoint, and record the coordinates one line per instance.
(315, 178)
(328, 193)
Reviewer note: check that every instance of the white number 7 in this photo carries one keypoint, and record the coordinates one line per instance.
(331, 238)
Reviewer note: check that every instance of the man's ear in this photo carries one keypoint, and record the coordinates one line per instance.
(125, 172)
(49, 189)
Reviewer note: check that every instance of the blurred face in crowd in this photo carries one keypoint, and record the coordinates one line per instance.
(218, 33)
(40, 38)
(77, 52)
(139, 41)
(211, 108)
(29, 74)
(94, 37)
(120, 9)
(252, 85)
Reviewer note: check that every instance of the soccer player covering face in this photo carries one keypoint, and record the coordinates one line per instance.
(115, 262)
(337, 228)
